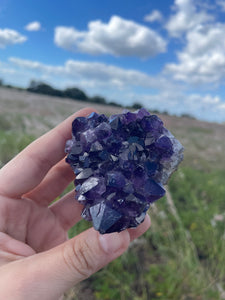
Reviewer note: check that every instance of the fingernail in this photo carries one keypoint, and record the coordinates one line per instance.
(114, 241)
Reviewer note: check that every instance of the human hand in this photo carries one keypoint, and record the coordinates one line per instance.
(37, 261)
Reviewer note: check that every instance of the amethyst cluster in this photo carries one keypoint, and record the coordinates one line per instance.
(120, 163)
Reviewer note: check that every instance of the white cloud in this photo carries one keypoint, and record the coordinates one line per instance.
(209, 99)
(204, 107)
(154, 16)
(33, 26)
(187, 17)
(94, 72)
(202, 61)
(221, 4)
(10, 37)
(222, 106)
(119, 37)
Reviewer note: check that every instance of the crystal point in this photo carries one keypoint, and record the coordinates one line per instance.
(104, 217)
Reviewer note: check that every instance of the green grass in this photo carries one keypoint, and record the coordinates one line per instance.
(13, 136)
(198, 130)
(181, 257)
(11, 143)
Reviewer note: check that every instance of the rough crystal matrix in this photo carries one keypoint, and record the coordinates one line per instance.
(121, 164)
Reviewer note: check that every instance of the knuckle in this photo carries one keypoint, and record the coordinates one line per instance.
(78, 259)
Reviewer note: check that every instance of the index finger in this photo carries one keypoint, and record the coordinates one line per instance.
(30, 166)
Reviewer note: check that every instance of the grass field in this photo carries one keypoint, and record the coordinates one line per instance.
(182, 256)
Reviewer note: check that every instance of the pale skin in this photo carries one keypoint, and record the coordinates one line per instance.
(37, 261)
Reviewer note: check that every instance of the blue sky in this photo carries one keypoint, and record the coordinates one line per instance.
(167, 55)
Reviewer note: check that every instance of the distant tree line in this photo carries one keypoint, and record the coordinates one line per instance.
(74, 93)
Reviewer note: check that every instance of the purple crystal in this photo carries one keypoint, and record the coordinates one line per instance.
(121, 164)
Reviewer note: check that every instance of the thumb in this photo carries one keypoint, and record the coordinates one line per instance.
(82, 256)
(49, 274)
